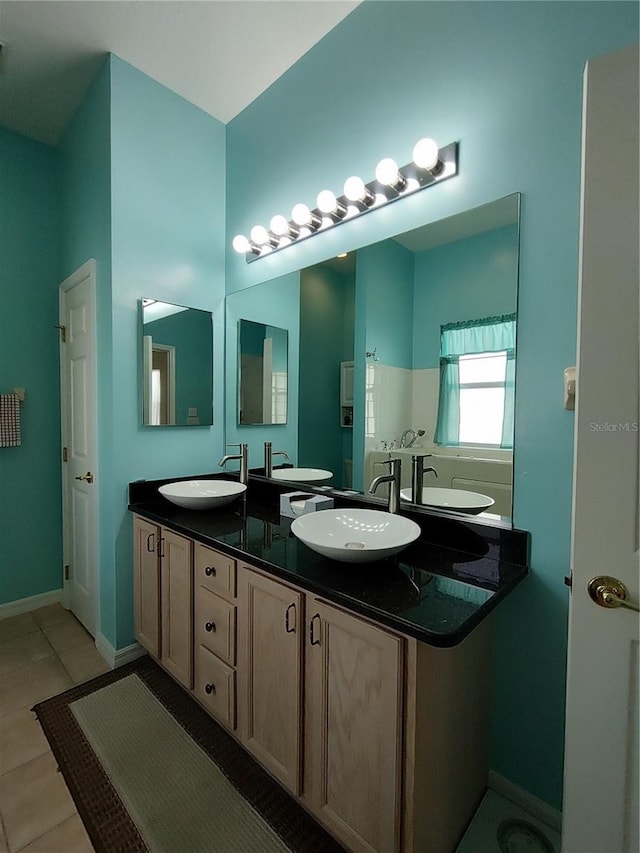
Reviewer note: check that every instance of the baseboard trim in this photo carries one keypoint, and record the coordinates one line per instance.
(24, 605)
(118, 657)
(536, 807)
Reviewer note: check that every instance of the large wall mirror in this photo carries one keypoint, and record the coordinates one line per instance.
(408, 346)
(177, 365)
(262, 373)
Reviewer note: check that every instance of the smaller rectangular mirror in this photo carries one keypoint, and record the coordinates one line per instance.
(177, 365)
(263, 374)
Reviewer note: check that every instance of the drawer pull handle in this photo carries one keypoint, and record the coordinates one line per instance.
(312, 638)
(210, 571)
(210, 626)
(209, 689)
(161, 546)
(151, 546)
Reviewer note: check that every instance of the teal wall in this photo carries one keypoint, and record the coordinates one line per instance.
(505, 80)
(277, 304)
(85, 178)
(30, 474)
(326, 339)
(168, 223)
(465, 280)
(386, 271)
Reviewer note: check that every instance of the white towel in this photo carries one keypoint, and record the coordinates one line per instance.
(10, 420)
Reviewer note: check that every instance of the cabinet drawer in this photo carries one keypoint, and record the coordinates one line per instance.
(215, 571)
(215, 686)
(215, 626)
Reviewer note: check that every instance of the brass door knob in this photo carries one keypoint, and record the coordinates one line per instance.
(606, 591)
(88, 477)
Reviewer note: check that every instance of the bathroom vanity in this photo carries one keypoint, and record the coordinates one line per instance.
(363, 689)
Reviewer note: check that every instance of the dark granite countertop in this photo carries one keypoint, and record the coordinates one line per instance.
(436, 590)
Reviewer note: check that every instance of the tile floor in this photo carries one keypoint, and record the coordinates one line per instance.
(41, 653)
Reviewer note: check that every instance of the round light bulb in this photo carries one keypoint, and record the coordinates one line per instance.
(327, 202)
(259, 235)
(279, 225)
(425, 154)
(241, 244)
(301, 214)
(387, 172)
(354, 188)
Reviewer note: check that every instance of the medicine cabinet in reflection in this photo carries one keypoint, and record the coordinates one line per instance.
(177, 365)
(263, 374)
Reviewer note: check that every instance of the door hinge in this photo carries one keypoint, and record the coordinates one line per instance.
(63, 332)
(67, 572)
(64, 455)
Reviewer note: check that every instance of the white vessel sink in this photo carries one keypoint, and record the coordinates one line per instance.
(355, 535)
(301, 475)
(202, 494)
(455, 500)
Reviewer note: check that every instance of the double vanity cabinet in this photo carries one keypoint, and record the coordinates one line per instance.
(382, 737)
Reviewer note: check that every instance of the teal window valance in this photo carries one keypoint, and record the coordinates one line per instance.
(480, 403)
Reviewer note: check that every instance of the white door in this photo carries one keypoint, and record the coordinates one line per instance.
(600, 813)
(78, 387)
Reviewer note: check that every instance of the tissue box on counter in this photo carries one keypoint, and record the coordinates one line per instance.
(293, 504)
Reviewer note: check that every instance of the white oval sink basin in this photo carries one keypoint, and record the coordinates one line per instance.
(455, 500)
(355, 535)
(301, 475)
(202, 494)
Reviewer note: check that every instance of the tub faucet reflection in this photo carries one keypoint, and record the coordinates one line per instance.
(393, 478)
(269, 453)
(242, 456)
(405, 435)
(418, 470)
(414, 437)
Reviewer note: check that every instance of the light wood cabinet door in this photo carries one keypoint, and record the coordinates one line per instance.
(353, 728)
(146, 584)
(177, 606)
(270, 674)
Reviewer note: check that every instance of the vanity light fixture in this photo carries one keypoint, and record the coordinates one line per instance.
(244, 246)
(329, 204)
(430, 165)
(388, 174)
(355, 190)
(281, 227)
(306, 218)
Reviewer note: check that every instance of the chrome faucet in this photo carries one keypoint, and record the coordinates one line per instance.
(404, 436)
(418, 471)
(393, 478)
(243, 456)
(268, 458)
(414, 437)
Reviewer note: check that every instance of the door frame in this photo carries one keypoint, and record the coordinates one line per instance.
(85, 273)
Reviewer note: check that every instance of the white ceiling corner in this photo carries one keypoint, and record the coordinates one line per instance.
(218, 54)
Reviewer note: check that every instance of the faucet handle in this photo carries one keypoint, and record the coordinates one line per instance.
(392, 462)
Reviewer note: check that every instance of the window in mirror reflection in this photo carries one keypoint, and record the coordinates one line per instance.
(477, 367)
(177, 365)
(263, 374)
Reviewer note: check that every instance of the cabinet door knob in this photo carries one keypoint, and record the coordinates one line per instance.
(209, 689)
(151, 547)
(210, 571)
(210, 626)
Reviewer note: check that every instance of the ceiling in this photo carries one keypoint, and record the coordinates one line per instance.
(218, 54)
